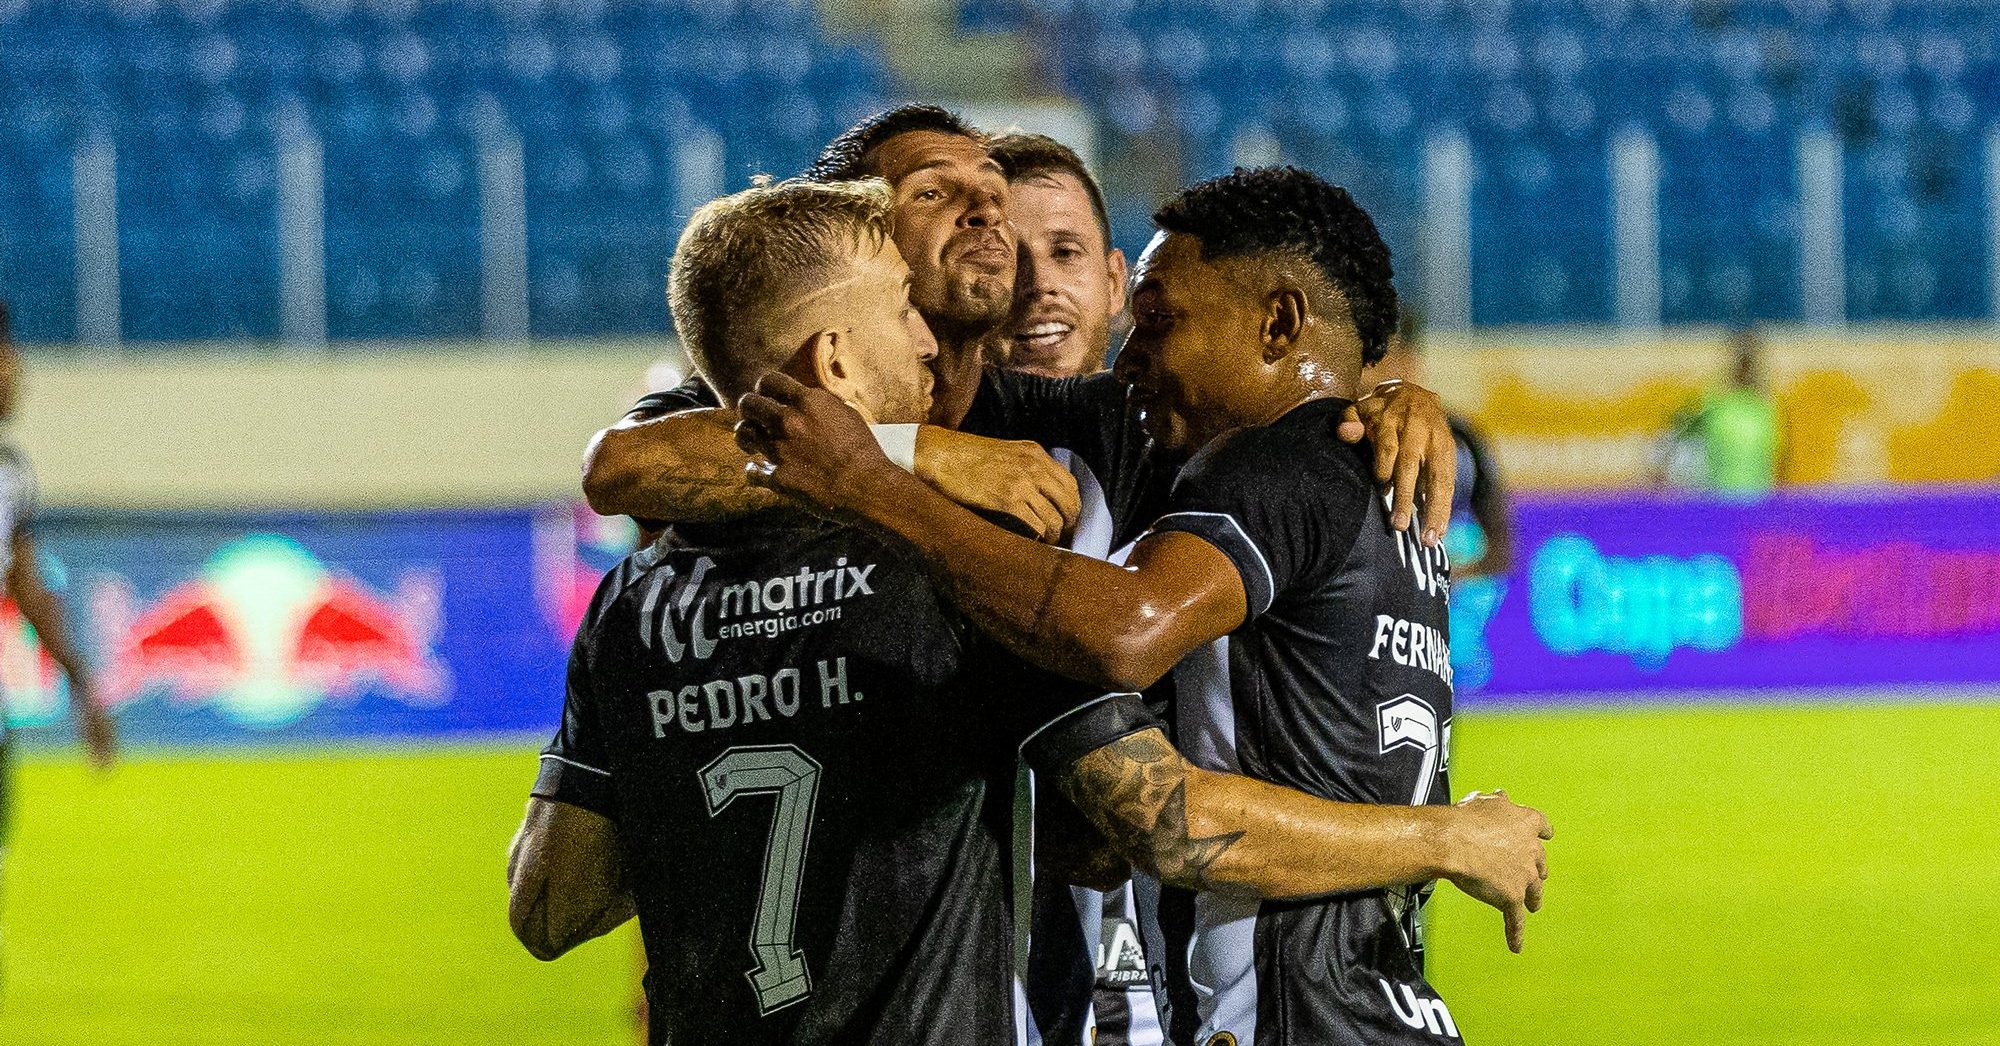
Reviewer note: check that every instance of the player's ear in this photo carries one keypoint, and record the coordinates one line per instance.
(1284, 322)
(819, 359)
(1116, 271)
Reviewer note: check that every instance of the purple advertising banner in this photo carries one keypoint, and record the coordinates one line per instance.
(1646, 595)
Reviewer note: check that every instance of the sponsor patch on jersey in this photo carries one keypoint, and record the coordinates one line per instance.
(680, 616)
(1121, 961)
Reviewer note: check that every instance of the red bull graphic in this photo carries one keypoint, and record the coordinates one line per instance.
(266, 633)
(284, 627)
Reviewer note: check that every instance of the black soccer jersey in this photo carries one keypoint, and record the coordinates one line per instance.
(1088, 416)
(1338, 684)
(809, 763)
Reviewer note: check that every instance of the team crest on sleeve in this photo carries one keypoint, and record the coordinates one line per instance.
(1407, 722)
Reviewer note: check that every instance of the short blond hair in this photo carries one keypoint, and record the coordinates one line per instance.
(764, 246)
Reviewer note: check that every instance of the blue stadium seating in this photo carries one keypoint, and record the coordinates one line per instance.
(196, 94)
(1539, 87)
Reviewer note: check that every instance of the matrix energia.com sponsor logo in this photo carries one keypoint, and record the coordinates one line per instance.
(683, 615)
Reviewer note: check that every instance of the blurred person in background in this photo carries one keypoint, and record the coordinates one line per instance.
(1732, 439)
(1480, 538)
(25, 587)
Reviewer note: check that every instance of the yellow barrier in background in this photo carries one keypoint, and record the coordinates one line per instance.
(1572, 410)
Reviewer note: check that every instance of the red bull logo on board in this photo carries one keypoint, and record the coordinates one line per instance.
(265, 633)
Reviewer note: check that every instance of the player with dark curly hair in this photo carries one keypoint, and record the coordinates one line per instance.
(1307, 633)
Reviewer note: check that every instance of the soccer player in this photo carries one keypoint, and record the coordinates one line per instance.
(31, 595)
(1309, 629)
(805, 671)
(1087, 979)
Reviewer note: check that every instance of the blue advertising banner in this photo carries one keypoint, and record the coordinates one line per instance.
(304, 627)
(301, 627)
(1649, 595)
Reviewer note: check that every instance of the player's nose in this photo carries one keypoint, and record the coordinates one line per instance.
(983, 210)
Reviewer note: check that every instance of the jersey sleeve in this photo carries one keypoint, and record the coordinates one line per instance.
(1056, 745)
(692, 394)
(1281, 520)
(576, 765)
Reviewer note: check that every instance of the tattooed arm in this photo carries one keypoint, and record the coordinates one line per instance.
(682, 467)
(1223, 833)
(564, 885)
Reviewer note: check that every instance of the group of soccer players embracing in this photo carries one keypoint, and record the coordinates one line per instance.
(1200, 596)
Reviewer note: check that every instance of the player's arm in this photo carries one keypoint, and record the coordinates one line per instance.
(45, 612)
(565, 879)
(1071, 849)
(681, 466)
(564, 884)
(1226, 833)
(1119, 628)
(1414, 451)
(684, 466)
(1407, 424)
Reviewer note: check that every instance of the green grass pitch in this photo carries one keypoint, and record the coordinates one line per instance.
(1722, 877)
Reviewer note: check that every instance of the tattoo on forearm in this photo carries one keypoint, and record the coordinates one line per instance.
(1135, 790)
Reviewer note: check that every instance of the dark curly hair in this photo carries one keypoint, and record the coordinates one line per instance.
(1275, 209)
(851, 155)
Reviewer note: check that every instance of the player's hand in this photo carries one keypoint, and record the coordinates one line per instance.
(1413, 448)
(1498, 857)
(1011, 476)
(806, 443)
(100, 736)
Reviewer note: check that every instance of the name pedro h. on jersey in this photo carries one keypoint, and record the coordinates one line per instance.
(764, 608)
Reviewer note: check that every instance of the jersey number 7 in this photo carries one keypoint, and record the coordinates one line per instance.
(780, 977)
